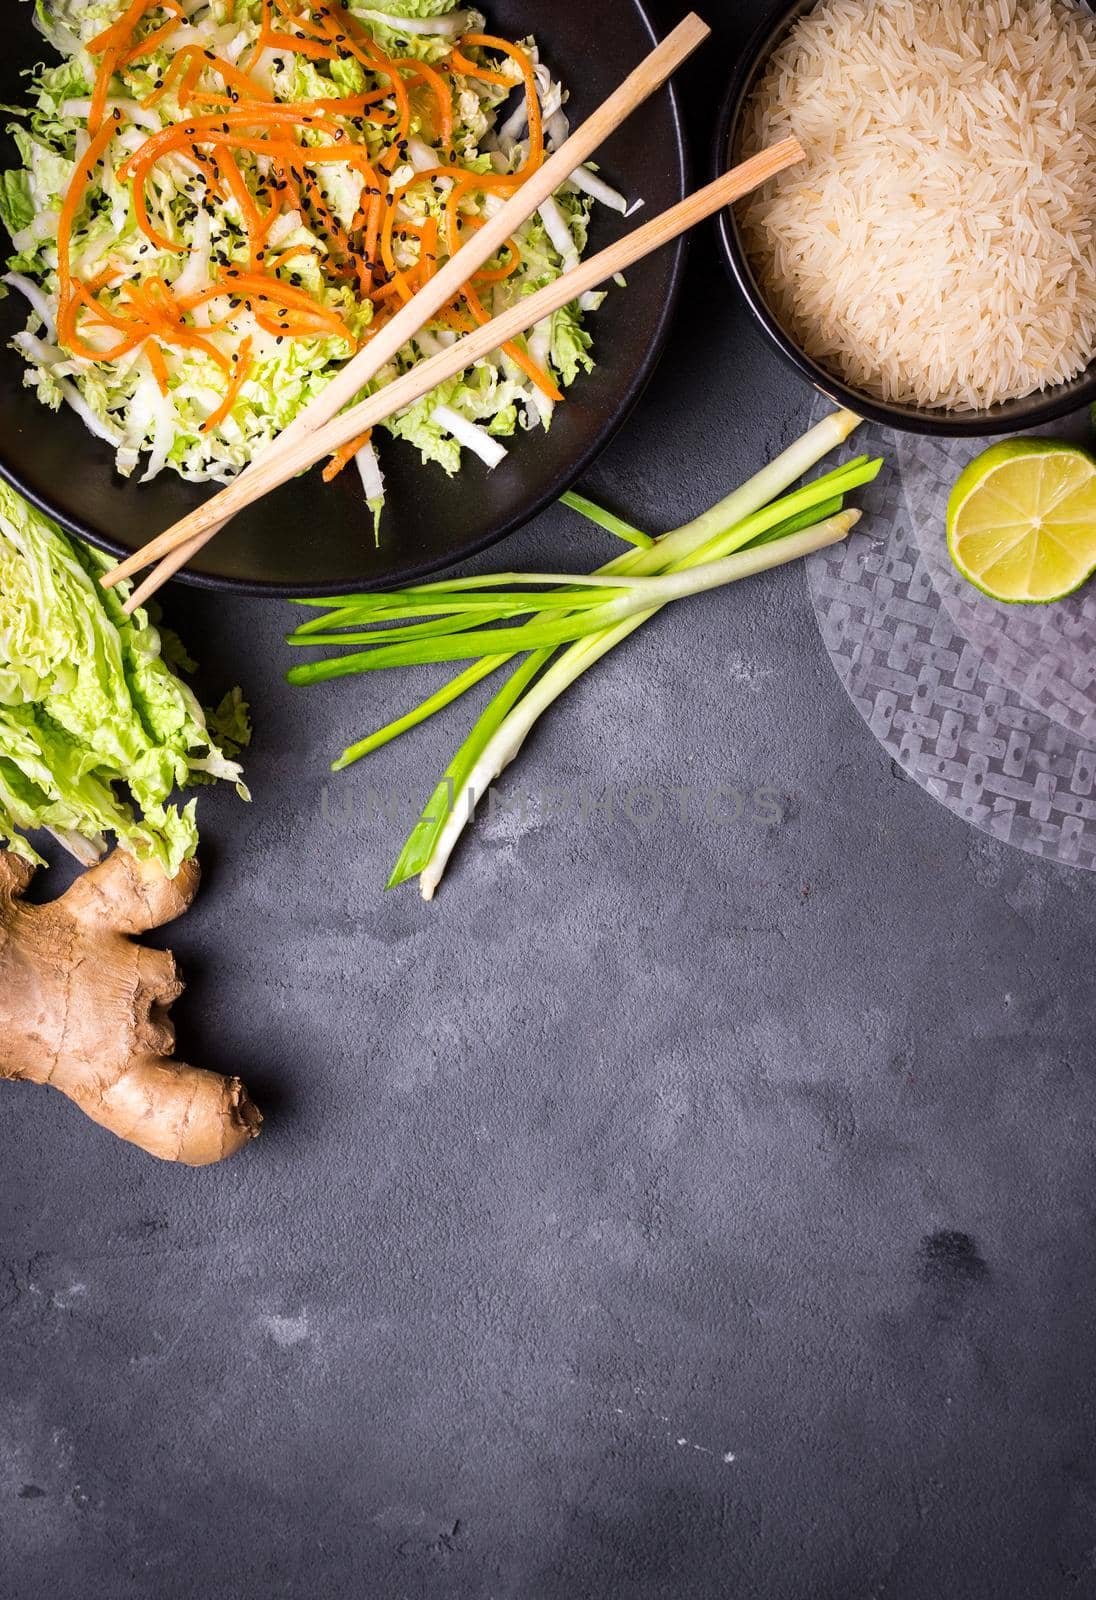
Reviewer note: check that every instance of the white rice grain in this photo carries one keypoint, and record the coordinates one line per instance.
(938, 245)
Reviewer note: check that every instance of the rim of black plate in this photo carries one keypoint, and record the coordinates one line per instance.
(599, 439)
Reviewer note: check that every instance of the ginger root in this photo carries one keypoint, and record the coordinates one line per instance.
(84, 1009)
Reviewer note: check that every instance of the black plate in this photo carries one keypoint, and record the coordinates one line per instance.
(312, 539)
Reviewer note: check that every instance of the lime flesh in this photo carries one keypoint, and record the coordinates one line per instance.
(1022, 520)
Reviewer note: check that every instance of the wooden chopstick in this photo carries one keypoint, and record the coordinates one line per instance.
(304, 452)
(446, 285)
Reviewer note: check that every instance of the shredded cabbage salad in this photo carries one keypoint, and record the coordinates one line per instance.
(221, 200)
(97, 728)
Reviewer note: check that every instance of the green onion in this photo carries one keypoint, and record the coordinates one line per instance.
(708, 569)
(748, 532)
(453, 635)
(606, 519)
(436, 702)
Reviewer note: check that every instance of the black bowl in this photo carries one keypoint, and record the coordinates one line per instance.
(1011, 416)
(310, 539)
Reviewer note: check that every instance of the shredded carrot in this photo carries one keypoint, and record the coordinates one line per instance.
(103, 315)
(222, 128)
(333, 26)
(517, 353)
(160, 321)
(101, 279)
(501, 273)
(371, 56)
(150, 42)
(212, 127)
(189, 80)
(302, 47)
(230, 75)
(280, 293)
(428, 249)
(470, 69)
(371, 245)
(345, 455)
(158, 365)
(102, 318)
(237, 188)
(242, 361)
(100, 91)
(264, 35)
(259, 288)
(293, 253)
(455, 318)
(175, 67)
(441, 92)
(121, 32)
(488, 41)
(306, 24)
(452, 216)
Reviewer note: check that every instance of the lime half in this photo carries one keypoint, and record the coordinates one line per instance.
(1022, 520)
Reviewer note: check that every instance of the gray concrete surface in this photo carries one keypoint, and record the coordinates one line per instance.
(669, 1212)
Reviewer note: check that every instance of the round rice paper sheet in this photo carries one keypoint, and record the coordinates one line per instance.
(990, 708)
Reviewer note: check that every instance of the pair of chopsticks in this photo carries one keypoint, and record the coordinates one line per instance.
(323, 427)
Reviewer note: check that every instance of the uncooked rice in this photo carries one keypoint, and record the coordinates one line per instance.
(938, 246)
